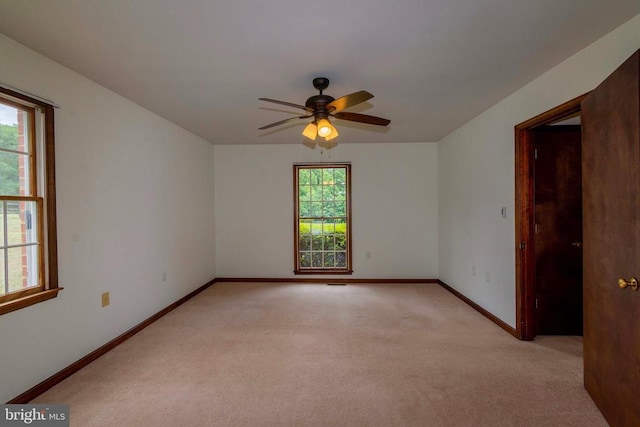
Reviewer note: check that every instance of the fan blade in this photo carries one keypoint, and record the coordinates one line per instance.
(349, 100)
(289, 104)
(283, 121)
(362, 118)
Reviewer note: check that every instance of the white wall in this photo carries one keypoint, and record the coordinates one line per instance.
(394, 208)
(135, 199)
(476, 174)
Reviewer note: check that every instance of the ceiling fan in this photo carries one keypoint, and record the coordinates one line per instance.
(321, 107)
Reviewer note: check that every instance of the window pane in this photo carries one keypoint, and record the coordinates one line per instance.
(341, 242)
(316, 209)
(341, 259)
(9, 176)
(341, 209)
(8, 132)
(14, 223)
(13, 129)
(305, 209)
(305, 259)
(316, 243)
(15, 269)
(340, 175)
(327, 176)
(316, 228)
(328, 259)
(304, 176)
(327, 192)
(316, 193)
(316, 176)
(305, 243)
(22, 223)
(329, 227)
(329, 243)
(328, 209)
(316, 260)
(304, 227)
(304, 192)
(2, 270)
(23, 267)
(340, 192)
(33, 265)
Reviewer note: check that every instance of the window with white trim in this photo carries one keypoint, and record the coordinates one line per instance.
(322, 215)
(28, 255)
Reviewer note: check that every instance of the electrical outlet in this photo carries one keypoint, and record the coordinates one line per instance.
(105, 299)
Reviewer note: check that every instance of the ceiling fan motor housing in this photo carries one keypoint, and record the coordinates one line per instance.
(319, 102)
(319, 105)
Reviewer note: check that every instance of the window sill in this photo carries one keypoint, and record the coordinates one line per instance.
(323, 271)
(26, 301)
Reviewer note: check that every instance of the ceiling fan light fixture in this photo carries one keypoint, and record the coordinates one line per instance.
(334, 134)
(321, 107)
(325, 128)
(311, 131)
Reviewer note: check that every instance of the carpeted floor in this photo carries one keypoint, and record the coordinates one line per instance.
(314, 355)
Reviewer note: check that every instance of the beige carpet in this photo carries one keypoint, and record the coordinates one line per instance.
(315, 355)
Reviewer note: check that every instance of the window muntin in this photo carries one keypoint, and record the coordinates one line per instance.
(322, 219)
(28, 261)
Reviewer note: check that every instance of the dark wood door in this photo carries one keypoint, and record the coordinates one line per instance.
(558, 230)
(611, 233)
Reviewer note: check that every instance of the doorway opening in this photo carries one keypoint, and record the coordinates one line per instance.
(548, 201)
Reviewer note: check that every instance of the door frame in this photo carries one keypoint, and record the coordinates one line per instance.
(524, 214)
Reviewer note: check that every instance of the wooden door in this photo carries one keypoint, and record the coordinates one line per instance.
(611, 233)
(558, 230)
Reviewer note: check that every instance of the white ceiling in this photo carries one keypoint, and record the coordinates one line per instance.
(202, 64)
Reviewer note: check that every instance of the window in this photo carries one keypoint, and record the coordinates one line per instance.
(322, 219)
(28, 255)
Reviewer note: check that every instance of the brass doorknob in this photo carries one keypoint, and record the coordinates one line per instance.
(633, 283)
(576, 244)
